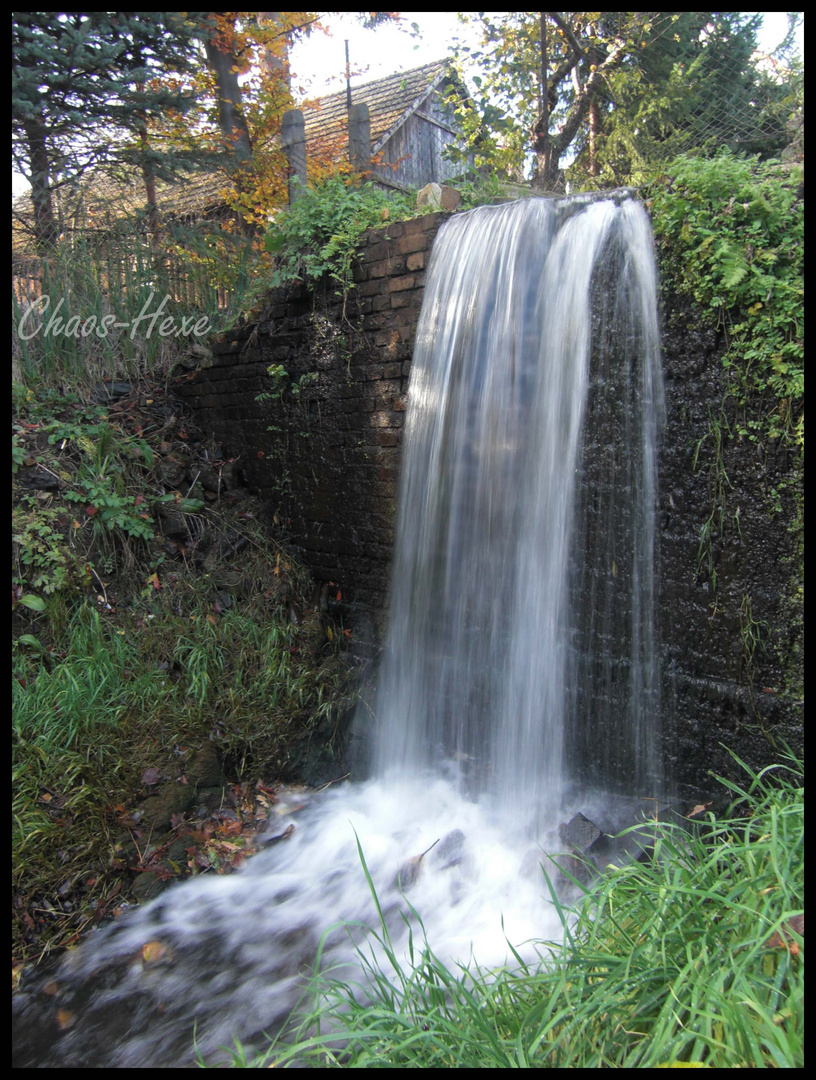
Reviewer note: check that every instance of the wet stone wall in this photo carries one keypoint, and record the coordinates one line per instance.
(323, 450)
(730, 604)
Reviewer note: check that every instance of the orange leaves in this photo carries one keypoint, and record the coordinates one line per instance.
(65, 1019)
(784, 938)
(154, 951)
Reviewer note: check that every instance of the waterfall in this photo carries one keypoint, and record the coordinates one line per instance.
(521, 648)
(520, 672)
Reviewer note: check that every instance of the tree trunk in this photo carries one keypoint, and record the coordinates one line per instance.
(148, 175)
(45, 226)
(231, 119)
(541, 139)
(594, 126)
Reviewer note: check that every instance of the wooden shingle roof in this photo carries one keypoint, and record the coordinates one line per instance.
(391, 101)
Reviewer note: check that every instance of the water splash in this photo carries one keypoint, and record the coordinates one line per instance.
(521, 658)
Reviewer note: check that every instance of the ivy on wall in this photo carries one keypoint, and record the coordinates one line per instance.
(732, 233)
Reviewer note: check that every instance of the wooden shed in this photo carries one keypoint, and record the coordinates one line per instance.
(413, 122)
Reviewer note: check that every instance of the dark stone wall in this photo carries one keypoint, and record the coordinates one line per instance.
(730, 610)
(325, 455)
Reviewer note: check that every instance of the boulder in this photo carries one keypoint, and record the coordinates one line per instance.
(438, 197)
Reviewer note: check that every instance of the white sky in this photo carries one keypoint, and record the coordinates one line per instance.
(318, 63)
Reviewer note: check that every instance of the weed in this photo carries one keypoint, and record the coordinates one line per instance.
(319, 234)
(733, 235)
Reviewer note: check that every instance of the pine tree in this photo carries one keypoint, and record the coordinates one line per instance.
(85, 86)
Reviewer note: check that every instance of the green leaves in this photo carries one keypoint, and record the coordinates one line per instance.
(733, 235)
(320, 232)
(33, 603)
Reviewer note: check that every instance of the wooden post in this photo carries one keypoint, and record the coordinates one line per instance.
(359, 139)
(293, 137)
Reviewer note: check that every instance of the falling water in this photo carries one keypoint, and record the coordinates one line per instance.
(520, 670)
(523, 590)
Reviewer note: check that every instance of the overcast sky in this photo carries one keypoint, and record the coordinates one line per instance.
(318, 63)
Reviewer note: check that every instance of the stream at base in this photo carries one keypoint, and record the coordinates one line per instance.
(223, 958)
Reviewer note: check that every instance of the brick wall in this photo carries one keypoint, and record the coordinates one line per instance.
(329, 467)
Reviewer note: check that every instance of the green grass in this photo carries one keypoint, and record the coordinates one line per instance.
(670, 963)
(83, 315)
(107, 698)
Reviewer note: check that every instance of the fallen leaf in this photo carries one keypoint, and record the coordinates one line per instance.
(409, 871)
(64, 1018)
(153, 951)
(700, 809)
(230, 828)
(783, 939)
(287, 832)
(151, 776)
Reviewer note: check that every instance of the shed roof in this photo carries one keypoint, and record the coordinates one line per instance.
(391, 101)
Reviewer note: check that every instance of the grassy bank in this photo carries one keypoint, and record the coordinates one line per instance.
(692, 959)
(156, 609)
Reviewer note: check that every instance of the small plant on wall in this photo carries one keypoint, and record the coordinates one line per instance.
(320, 232)
(734, 232)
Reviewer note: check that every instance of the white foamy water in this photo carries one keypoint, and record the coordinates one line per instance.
(234, 953)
